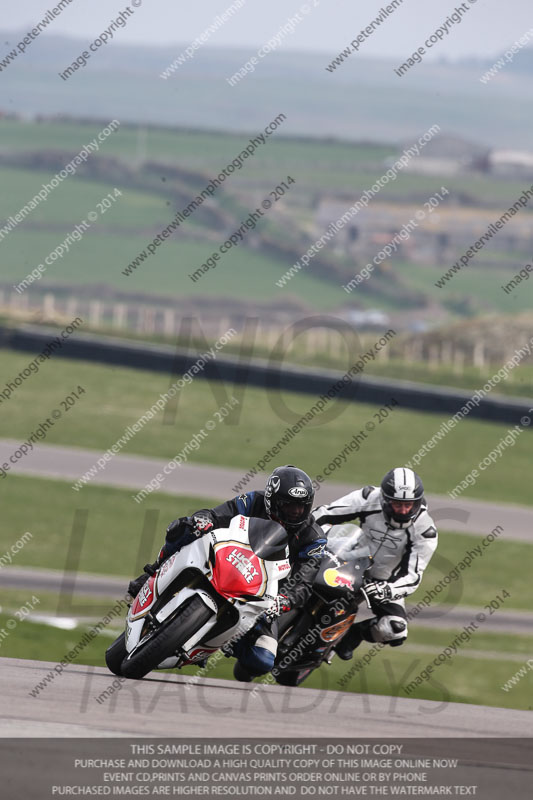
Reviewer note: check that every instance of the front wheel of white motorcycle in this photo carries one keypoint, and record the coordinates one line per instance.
(167, 640)
(115, 654)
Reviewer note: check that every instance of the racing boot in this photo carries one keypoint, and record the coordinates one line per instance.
(240, 674)
(358, 633)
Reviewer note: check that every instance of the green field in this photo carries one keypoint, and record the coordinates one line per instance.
(485, 285)
(203, 150)
(338, 165)
(101, 532)
(70, 202)
(100, 257)
(115, 398)
(116, 238)
(150, 199)
(69, 610)
(123, 231)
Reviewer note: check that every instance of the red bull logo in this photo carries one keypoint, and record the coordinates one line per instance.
(342, 580)
(335, 578)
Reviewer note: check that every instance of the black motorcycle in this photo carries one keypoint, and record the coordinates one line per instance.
(307, 636)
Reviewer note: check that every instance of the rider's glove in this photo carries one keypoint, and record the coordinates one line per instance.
(135, 586)
(378, 591)
(280, 605)
(201, 524)
(177, 528)
(185, 530)
(151, 569)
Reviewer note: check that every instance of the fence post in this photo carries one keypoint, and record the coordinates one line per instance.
(119, 315)
(95, 313)
(48, 305)
(169, 322)
(478, 354)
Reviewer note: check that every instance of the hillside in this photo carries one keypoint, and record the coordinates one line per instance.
(198, 95)
(158, 171)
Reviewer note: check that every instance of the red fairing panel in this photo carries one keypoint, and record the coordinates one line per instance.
(145, 598)
(238, 571)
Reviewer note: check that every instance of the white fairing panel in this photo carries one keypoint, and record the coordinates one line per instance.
(193, 555)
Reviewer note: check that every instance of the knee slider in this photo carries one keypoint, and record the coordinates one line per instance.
(398, 626)
(390, 629)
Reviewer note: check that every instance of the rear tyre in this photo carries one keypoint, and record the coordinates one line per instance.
(294, 678)
(115, 655)
(165, 643)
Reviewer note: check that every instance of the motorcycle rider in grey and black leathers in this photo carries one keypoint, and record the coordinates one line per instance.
(401, 537)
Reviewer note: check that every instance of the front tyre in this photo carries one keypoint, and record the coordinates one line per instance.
(167, 640)
(115, 655)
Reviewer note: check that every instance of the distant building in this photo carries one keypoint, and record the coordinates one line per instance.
(511, 163)
(365, 318)
(448, 155)
(12, 115)
(438, 239)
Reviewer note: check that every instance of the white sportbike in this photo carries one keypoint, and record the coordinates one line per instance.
(204, 597)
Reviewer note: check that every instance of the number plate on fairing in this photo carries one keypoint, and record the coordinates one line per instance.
(144, 600)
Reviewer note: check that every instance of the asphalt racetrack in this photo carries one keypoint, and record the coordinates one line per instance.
(165, 704)
(65, 723)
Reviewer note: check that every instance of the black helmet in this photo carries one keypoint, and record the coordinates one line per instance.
(402, 494)
(289, 496)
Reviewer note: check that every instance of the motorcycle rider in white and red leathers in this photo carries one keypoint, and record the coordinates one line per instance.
(401, 537)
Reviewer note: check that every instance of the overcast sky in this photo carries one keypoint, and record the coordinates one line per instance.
(489, 27)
